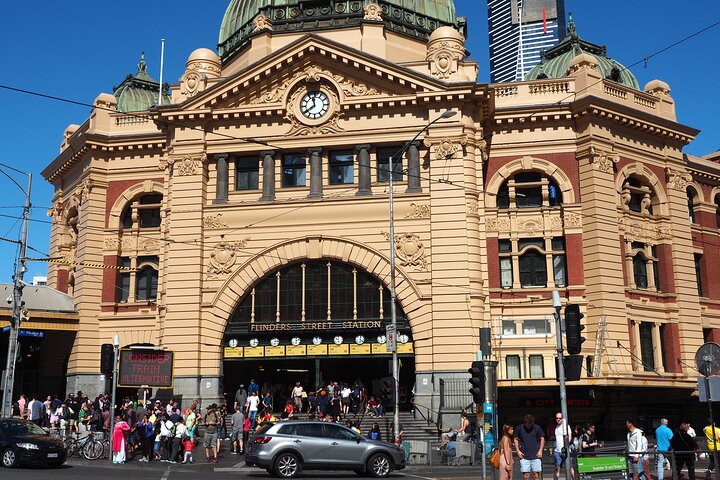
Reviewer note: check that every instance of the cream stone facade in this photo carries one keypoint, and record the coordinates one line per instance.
(270, 164)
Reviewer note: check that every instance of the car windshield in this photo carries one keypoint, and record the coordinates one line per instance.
(17, 428)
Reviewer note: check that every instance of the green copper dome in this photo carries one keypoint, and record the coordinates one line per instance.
(140, 91)
(554, 63)
(411, 17)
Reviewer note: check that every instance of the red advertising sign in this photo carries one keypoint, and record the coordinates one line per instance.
(145, 368)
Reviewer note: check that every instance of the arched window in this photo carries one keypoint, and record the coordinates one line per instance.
(640, 271)
(533, 269)
(717, 209)
(147, 209)
(691, 204)
(528, 190)
(638, 197)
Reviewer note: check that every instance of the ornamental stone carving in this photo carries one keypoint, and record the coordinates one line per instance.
(315, 73)
(299, 128)
(56, 211)
(445, 49)
(224, 256)
(418, 211)
(202, 64)
(603, 161)
(572, 220)
(184, 165)
(678, 179)
(261, 22)
(111, 244)
(409, 250)
(373, 12)
(447, 147)
(150, 245)
(531, 225)
(213, 222)
(473, 208)
(84, 191)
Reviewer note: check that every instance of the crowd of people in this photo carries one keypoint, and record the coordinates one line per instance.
(527, 442)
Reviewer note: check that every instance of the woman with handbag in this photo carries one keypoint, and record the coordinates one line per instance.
(506, 459)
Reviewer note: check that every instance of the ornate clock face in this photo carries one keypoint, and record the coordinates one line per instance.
(402, 338)
(254, 342)
(317, 340)
(381, 339)
(338, 340)
(233, 343)
(314, 105)
(295, 341)
(274, 342)
(359, 339)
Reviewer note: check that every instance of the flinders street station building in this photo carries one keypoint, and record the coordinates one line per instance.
(244, 223)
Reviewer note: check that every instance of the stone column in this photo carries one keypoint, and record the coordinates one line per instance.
(364, 175)
(221, 187)
(413, 175)
(268, 164)
(316, 186)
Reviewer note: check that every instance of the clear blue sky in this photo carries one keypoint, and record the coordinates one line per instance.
(78, 49)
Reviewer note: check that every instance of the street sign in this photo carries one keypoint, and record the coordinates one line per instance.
(153, 368)
(488, 407)
(391, 338)
(31, 333)
(714, 388)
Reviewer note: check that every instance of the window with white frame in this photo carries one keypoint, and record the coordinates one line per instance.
(534, 326)
(537, 366)
(512, 366)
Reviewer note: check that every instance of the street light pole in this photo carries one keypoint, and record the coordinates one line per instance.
(17, 303)
(393, 310)
(561, 374)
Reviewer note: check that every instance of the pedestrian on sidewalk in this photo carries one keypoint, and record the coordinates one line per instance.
(529, 443)
(634, 447)
(188, 446)
(562, 433)
(211, 422)
(506, 459)
(712, 434)
(237, 421)
(685, 448)
(118, 440)
(663, 435)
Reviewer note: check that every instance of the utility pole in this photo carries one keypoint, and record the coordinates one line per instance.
(17, 305)
(561, 374)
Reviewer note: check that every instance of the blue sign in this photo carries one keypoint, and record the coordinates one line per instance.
(488, 407)
(31, 333)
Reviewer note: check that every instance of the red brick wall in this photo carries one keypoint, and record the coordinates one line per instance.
(671, 343)
(110, 278)
(565, 161)
(62, 280)
(667, 275)
(493, 262)
(574, 257)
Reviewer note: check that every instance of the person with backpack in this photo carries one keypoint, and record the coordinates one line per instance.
(685, 448)
(211, 420)
(375, 432)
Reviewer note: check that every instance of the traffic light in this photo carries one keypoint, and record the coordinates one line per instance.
(573, 367)
(573, 327)
(477, 381)
(107, 356)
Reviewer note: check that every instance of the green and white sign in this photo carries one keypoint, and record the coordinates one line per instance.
(601, 464)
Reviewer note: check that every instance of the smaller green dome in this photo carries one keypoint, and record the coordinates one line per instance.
(554, 63)
(140, 92)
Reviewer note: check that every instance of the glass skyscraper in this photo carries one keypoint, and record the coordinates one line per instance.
(518, 31)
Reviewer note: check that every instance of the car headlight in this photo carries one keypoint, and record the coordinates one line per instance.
(28, 446)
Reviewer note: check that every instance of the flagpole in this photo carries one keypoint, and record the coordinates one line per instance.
(162, 61)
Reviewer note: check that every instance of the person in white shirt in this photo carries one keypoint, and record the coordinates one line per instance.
(297, 392)
(180, 432)
(562, 431)
(345, 394)
(634, 446)
(252, 407)
(691, 431)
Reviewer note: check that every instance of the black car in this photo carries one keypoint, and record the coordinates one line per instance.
(23, 442)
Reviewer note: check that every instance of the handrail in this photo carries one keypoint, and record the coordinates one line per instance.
(438, 427)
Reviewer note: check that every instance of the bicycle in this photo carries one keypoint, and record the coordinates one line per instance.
(88, 447)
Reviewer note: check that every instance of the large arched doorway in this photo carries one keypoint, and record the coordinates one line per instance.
(316, 322)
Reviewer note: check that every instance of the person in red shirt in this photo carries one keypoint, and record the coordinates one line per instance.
(188, 445)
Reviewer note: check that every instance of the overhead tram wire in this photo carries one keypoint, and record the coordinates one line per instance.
(487, 136)
(431, 180)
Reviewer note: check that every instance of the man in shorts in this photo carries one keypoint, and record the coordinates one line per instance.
(211, 420)
(237, 420)
(561, 432)
(529, 444)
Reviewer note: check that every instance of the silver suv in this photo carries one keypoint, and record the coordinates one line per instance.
(286, 448)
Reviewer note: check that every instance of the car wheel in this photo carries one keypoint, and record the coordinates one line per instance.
(287, 465)
(9, 458)
(379, 465)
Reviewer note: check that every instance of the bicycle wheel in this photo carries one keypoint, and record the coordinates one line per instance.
(93, 450)
(71, 446)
